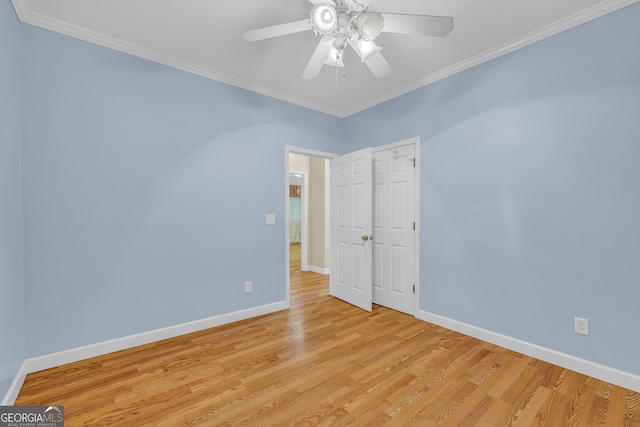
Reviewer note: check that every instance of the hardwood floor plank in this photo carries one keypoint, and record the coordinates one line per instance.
(324, 362)
(632, 408)
(616, 413)
(524, 387)
(556, 411)
(531, 410)
(470, 416)
(498, 414)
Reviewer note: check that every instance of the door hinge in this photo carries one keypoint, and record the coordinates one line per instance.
(414, 289)
(413, 159)
(414, 226)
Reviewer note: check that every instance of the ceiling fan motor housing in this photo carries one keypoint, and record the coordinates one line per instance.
(353, 5)
(345, 20)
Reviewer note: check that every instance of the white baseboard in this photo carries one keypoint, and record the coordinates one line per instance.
(586, 367)
(52, 360)
(318, 270)
(16, 385)
(604, 373)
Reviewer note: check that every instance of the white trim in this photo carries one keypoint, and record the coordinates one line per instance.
(52, 360)
(547, 31)
(595, 370)
(416, 188)
(308, 152)
(415, 140)
(27, 16)
(287, 225)
(304, 238)
(586, 367)
(16, 385)
(319, 270)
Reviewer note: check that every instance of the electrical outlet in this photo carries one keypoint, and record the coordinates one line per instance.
(270, 219)
(581, 326)
(248, 286)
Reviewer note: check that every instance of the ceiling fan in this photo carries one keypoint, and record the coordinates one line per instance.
(349, 22)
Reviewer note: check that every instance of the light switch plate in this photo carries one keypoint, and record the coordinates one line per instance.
(271, 219)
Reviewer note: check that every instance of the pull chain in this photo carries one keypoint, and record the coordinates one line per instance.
(337, 84)
(339, 54)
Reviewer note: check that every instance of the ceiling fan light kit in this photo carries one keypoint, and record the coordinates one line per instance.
(348, 22)
(369, 25)
(367, 49)
(335, 57)
(324, 19)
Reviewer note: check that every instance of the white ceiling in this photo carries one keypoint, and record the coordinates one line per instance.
(203, 37)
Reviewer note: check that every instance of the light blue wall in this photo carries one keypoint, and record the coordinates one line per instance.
(145, 193)
(12, 348)
(530, 190)
(145, 190)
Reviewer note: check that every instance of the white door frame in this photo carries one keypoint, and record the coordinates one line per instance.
(288, 149)
(309, 152)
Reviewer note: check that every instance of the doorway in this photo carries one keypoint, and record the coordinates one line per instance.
(308, 174)
(390, 242)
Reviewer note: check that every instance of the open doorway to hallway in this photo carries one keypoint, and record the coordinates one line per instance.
(308, 197)
(309, 210)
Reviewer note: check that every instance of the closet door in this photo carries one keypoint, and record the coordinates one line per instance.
(394, 228)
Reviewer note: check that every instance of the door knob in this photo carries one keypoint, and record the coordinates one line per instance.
(365, 238)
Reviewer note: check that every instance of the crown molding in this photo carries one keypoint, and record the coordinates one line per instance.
(27, 16)
(533, 37)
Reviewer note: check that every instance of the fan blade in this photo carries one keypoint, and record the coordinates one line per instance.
(317, 60)
(376, 64)
(277, 30)
(426, 25)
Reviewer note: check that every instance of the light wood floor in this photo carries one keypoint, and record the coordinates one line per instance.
(324, 362)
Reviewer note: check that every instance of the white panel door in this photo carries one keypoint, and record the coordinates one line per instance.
(351, 219)
(393, 228)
